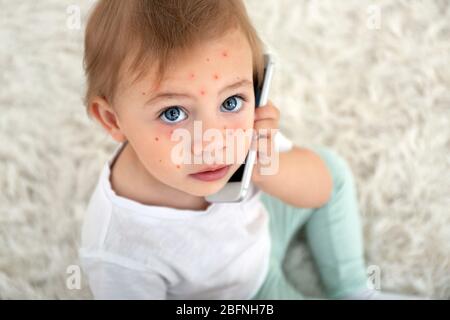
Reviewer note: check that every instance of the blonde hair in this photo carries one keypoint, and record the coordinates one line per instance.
(155, 32)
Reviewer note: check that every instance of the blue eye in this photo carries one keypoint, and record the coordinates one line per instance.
(172, 114)
(232, 103)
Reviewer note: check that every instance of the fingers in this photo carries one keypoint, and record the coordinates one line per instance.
(266, 120)
(269, 111)
(265, 151)
(269, 126)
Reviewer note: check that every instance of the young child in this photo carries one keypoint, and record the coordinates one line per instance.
(156, 66)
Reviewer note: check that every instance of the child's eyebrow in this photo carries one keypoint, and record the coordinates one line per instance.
(171, 95)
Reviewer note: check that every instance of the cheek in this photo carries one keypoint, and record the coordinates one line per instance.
(162, 132)
(162, 135)
(241, 126)
(245, 121)
(236, 125)
(153, 146)
(159, 160)
(161, 149)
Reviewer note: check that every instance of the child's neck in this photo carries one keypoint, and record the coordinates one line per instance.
(131, 180)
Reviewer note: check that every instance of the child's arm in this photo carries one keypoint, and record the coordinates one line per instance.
(302, 179)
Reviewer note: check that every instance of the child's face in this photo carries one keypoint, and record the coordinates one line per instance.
(202, 74)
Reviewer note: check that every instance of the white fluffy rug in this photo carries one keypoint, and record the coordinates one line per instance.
(378, 96)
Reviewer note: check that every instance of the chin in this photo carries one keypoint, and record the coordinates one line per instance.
(203, 189)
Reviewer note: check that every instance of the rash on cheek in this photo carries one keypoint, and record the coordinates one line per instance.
(167, 134)
(163, 132)
(237, 127)
(228, 131)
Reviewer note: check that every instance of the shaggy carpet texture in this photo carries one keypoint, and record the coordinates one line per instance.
(372, 83)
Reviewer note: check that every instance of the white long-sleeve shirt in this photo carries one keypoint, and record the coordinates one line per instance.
(134, 251)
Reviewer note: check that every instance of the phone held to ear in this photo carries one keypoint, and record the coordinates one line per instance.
(238, 185)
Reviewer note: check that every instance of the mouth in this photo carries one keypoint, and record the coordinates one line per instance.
(211, 173)
(212, 168)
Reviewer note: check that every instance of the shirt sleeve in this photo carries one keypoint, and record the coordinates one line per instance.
(282, 143)
(111, 281)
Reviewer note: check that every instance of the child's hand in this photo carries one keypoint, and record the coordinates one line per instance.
(266, 125)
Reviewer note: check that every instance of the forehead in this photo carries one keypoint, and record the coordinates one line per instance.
(227, 56)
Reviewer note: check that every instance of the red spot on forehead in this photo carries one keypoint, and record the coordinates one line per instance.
(202, 92)
(143, 93)
(216, 76)
(192, 76)
(207, 59)
(156, 138)
(225, 54)
(178, 167)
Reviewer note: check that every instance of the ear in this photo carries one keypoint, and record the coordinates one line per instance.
(104, 114)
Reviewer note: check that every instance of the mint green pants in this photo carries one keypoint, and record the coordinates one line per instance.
(333, 233)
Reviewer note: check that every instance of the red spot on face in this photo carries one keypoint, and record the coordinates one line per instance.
(202, 92)
(192, 76)
(156, 138)
(160, 160)
(208, 59)
(143, 93)
(216, 76)
(178, 167)
(224, 54)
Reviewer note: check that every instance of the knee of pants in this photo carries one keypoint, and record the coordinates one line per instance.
(339, 168)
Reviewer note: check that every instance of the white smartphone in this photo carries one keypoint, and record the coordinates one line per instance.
(238, 185)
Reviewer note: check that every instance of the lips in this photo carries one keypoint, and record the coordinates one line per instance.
(217, 174)
(211, 168)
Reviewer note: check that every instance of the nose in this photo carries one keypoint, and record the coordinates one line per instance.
(208, 133)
